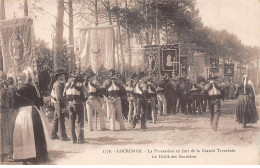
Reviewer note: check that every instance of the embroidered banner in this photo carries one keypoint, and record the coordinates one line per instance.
(17, 44)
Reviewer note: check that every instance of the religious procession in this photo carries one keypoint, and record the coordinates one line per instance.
(146, 72)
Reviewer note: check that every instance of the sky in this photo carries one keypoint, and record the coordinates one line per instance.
(240, 17)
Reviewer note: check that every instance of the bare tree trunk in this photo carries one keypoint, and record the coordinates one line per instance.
(109, 13)
(166, 31)
(121, 50)
(2, 12)
(129, 47)
(59, 35)
(146, 22)
(25, 8)
(71, 35)
(237, 78)
(157, 31)
(121, 45)
(257, 76)
(128, 39)
(151, 40)
(96, 13)
(110, 23)
(158, 36)
(117, 50)
(2, 17)
(140, 39)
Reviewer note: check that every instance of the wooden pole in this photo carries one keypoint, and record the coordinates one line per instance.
(156, 24)
(2, 17)
(59, 35)
(96, 24)
(71, 36)
(257, 76)
(128, 41)
(25, 8)
(96, 13)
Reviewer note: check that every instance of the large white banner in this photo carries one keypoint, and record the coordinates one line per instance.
(96, 48)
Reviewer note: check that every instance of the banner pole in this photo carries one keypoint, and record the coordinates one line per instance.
(96, 24)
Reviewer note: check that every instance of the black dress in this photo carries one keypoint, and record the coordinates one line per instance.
(246, 110)
(26, 96)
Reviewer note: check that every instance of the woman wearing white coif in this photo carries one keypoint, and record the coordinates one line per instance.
(31, 138)
(246, 110)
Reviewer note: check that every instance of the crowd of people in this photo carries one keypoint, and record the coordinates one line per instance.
(24, 127)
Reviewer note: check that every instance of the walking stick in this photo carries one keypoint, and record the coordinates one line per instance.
(96, 118)
(85, 112)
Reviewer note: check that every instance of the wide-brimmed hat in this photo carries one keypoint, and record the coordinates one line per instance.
(150, 79)
(245, 76)
(134, 75)
(72, 75)
(181, 78)
(60, 72)
(3, 76)
(112, 72)
(90, 74)
(10, 80)
(141, 74)
(213, 77)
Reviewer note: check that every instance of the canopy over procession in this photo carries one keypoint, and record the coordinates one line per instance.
(146, 65)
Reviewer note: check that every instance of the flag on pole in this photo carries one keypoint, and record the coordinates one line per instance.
(96, 48)
(17, 44)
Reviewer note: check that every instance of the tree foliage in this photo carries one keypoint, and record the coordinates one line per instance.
(175, 20)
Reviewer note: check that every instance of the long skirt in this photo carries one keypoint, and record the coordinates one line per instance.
(246, 110)
(31, 137)
(5, 140)
(231, 92)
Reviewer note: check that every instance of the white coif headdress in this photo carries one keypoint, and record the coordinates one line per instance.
(29, 75)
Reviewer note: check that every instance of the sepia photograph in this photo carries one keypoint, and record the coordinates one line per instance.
(129, 82)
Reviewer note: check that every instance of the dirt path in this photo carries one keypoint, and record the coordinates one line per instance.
(175, 131)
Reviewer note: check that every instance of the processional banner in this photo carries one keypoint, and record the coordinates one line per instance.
(96, 48)
(162, 59)
(17, 44)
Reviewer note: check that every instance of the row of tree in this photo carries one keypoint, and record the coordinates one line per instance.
(147, 22)
(139, 23)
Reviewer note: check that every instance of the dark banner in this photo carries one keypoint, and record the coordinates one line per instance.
(229, 69)
(168, 57)
(151, 59)
(17, 44)
(170, 60)
(162, 59)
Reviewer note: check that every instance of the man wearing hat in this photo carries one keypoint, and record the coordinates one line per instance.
(75, 93)
(195, 91)
(123, 96)
(162, 103)
(93, 89)
(170, 95)
(10, 92)
(114, 87)
(152, 98)
(141, 95)
(5, 110)
(184, 96)
(213, 89)
(59, 102)
(130, 84)
(203, 96)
